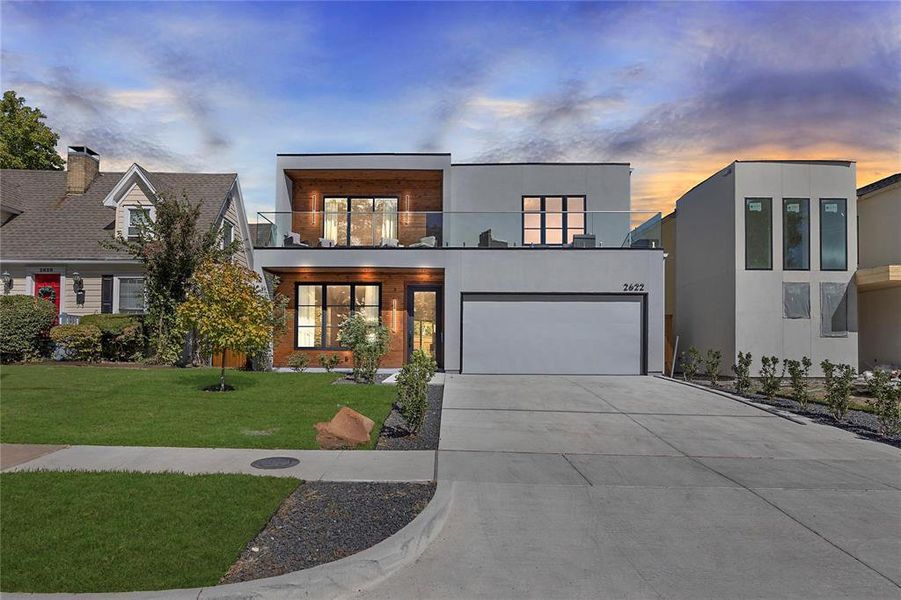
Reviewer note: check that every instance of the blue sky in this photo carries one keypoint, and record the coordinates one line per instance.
(677, 89)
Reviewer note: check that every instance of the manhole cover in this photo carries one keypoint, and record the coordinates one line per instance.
(275, 462)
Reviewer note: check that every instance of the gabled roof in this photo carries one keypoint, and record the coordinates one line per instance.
(878, 185)
(53, 225)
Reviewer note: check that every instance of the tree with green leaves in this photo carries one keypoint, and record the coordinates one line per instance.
(171, 246)
(25, 141)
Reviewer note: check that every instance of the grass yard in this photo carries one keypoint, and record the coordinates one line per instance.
(104, 532)
(59, 404)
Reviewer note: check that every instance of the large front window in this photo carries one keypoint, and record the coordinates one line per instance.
(833, 234)
(322, 307)
(758, 233)
(131, 295)
(552, 220)
(360, 221)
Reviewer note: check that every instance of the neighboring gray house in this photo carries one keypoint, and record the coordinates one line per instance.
(879, 275)
(53, 223)
(491, 268)
(767, 252)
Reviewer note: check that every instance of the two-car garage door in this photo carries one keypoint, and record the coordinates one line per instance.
(572, 334)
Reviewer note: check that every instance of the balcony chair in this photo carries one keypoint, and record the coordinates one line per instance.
(389, 243)
(326, 243)
(293, 240)
(585, 241)
(486, 241)
(425, 242)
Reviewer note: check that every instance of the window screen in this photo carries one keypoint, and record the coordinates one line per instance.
(796, 300)
(796, 234)
(833, 234)
(758, 233)
(833, 310)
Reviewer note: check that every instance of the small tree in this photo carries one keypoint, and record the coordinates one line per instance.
(712, 366)
(797, 371)
(839, 380)
(26, 142)
(771, 382)
(690, 362)
(742, 370)
(886, 401)
(227, 307)
(368, 340)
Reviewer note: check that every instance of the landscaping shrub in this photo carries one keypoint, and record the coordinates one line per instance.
(691, 360)
(298, 362)
(329, 361)
(369, 343)
(742, 370)
(712, 366)
(886, 401)
(797, 372)
(413, 387)
(25, 322)
(121, 336)
(79, 342)
(839, 379)
(770, 382)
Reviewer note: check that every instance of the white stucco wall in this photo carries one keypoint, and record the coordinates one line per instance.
(880, 221)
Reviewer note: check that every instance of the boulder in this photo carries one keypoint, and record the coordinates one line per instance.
(348, 428)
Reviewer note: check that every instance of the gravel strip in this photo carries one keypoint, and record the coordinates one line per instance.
(324, 521)
(427, 437)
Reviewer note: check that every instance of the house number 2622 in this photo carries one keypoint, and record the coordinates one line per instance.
(633, 287)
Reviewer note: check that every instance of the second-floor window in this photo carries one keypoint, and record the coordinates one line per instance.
(833, 234)
(360, 221)
(228, 233)
(137, 216)
(758, 233)
(552, 220)
(796, 234)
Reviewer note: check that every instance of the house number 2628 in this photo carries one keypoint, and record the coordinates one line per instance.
(633, 287)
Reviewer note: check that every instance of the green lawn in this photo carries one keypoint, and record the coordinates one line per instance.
(58, 404)
(104, 532)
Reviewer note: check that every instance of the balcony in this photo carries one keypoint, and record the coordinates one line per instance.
(424, 230)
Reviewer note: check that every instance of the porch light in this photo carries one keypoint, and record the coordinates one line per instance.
(78, 288)
(7, 282)
(394, 315)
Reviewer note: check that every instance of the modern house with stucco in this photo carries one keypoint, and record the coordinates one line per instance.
(767, 252)
(53, 222)
(491, 268)
(878, 276)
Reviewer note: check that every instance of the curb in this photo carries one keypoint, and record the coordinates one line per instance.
(724, 394)
(336, 579)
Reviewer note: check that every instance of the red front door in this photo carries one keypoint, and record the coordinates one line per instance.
(43, 283)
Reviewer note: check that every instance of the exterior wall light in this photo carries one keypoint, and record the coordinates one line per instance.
(78, 288)
(7, 282)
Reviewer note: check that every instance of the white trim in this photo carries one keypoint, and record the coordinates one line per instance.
(122, 187)
(130, 208)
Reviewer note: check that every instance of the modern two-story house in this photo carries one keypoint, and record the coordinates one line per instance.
(53, 223)
(767, 252)
(491, 268)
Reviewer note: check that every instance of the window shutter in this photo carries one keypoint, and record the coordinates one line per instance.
(106, 294)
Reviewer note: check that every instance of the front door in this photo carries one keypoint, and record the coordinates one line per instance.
(46, 286)
(424, 313)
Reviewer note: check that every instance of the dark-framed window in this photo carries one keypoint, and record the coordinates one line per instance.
(759, 234)
(796, 234)
(321, 307)
(552, 220)
(833, 234)
(360, 221)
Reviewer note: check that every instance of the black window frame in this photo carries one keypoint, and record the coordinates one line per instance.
(820, 216)
(745, 216)
(348, 200)
(565, 212)
(324, 319)
(785, 266)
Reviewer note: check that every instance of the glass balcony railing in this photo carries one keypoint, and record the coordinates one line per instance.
(416, 229)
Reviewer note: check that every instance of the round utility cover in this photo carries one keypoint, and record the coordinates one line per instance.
(275, 462)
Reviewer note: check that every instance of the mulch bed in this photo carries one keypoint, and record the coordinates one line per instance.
(426, 438)
(324, 521)
(862, 423)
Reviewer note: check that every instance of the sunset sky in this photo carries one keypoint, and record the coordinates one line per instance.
(677, 90)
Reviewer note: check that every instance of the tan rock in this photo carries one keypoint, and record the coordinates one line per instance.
(347, 428)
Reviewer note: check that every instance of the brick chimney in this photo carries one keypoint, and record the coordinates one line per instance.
(82, 167)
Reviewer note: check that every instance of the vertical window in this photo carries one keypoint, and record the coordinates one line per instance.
(360, 221)
(758, 233)
(833, 310)
(131, 295)
(552, 220)
(322, 308)
(228, 233)
(796, 234)
(136, 218)
(833, 234)
(796, 300)
(106, 294)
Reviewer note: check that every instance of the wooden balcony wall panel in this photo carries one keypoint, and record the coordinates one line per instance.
(414, 190)
(394, 287)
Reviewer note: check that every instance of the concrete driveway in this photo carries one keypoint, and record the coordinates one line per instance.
(637, 487)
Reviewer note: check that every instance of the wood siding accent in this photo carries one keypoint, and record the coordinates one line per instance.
(415, 191)
(394, 284)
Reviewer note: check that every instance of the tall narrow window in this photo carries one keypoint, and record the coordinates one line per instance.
(552, 220)
(322, 308)
(758, 233)
(360, 221)
(228, 233)
(796, 234)
(833, 234)
(833, 309)
(106, 294)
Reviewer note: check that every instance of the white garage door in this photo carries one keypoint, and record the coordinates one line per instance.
(586, 334)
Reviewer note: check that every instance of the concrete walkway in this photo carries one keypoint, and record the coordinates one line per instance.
(323, 465)
(636, 487)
